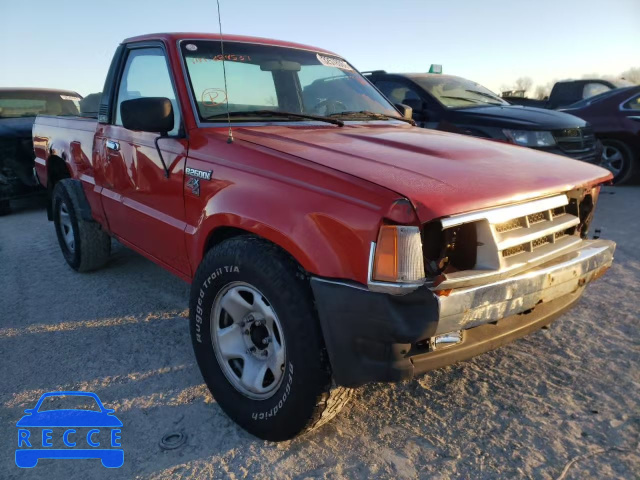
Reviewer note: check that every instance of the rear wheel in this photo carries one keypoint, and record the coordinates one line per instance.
(258, 341)
(618, 158)
(85, 246)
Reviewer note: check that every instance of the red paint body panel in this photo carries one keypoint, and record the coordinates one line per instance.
(441, 173)
(319, 192)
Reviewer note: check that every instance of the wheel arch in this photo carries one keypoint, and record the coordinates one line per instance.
(234, 227)
(57, 169)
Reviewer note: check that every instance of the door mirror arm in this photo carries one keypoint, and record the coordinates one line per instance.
(165, 135)
(155, 141)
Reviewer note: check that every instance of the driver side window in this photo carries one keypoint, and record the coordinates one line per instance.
(397, 92)
(146, 74)
(593, 88)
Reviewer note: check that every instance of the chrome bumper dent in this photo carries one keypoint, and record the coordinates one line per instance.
(472, 306)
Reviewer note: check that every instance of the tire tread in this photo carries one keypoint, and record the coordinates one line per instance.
(93, 243)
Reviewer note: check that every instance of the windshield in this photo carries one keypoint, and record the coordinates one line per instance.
(456, 92)
(29, 103)
(267, 78)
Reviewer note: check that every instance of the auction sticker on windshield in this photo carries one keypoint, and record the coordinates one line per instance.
(333, 62)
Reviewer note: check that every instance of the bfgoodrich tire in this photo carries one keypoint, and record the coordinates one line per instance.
(85, 246)
(258, 342)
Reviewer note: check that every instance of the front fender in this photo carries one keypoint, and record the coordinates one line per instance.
(323, 245)
(326, 236)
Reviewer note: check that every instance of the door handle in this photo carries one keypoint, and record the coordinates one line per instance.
(113, 145)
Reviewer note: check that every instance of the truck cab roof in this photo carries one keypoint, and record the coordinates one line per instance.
(177, 36)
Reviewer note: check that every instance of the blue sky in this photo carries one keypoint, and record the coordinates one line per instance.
(69, 43)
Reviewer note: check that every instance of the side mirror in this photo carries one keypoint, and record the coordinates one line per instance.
(405, 110)
(150, 114)
(416, 104)
(419, 108)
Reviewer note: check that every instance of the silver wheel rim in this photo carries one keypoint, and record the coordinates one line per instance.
(248, 340)
(66, 227)
(612, 159)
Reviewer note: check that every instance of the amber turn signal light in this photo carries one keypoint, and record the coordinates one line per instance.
(385, 267)
(398, 255)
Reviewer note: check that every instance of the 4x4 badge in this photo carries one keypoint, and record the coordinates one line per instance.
(194, 185)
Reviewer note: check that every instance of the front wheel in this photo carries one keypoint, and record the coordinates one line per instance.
(258, 341)
(618, 158)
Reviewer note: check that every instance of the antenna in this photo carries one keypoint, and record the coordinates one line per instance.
(224, 73)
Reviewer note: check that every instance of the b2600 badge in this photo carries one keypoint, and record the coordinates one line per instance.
(203, 174)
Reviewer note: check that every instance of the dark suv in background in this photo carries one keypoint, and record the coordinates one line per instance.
(455, 104)
(18, 110)
(568, 92)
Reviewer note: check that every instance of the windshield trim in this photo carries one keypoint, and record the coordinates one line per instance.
(223, 122)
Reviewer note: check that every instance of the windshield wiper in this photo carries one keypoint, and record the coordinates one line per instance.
(466, 99)
(369, 114)
(487, 95)
(277, 113)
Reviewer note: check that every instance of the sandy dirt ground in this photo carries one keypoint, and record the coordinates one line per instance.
(561, 403)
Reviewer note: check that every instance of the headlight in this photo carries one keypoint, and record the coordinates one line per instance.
(398, 255)
(528, 138)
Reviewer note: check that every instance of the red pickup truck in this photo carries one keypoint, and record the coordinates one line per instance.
(329, 242)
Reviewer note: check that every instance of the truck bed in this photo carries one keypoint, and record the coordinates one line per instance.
(53, 135)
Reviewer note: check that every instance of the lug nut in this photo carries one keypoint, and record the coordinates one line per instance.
(258, 323)
(266, 341)
(250, 318)
(246, 332)
(265, 353)
(251, 350)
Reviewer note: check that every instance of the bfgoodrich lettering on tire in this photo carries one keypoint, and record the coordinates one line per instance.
(84, 245)
(258, 342)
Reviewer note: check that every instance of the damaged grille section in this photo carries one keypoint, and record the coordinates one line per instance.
(472, 248)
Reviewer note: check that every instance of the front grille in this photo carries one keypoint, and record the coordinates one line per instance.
(576, 140)
(537, 217)
(508, 239)
(536, 231)
(510, 225)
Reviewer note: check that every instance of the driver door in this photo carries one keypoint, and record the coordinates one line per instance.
(144, 208)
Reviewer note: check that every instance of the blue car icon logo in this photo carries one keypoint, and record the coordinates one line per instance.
(87, 430)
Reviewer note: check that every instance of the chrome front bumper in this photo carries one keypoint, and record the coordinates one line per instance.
(468, 307)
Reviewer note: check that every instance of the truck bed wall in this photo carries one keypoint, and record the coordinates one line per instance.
(71, 140)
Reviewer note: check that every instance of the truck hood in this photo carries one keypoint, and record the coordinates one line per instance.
(441, 173)
(517, 116)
